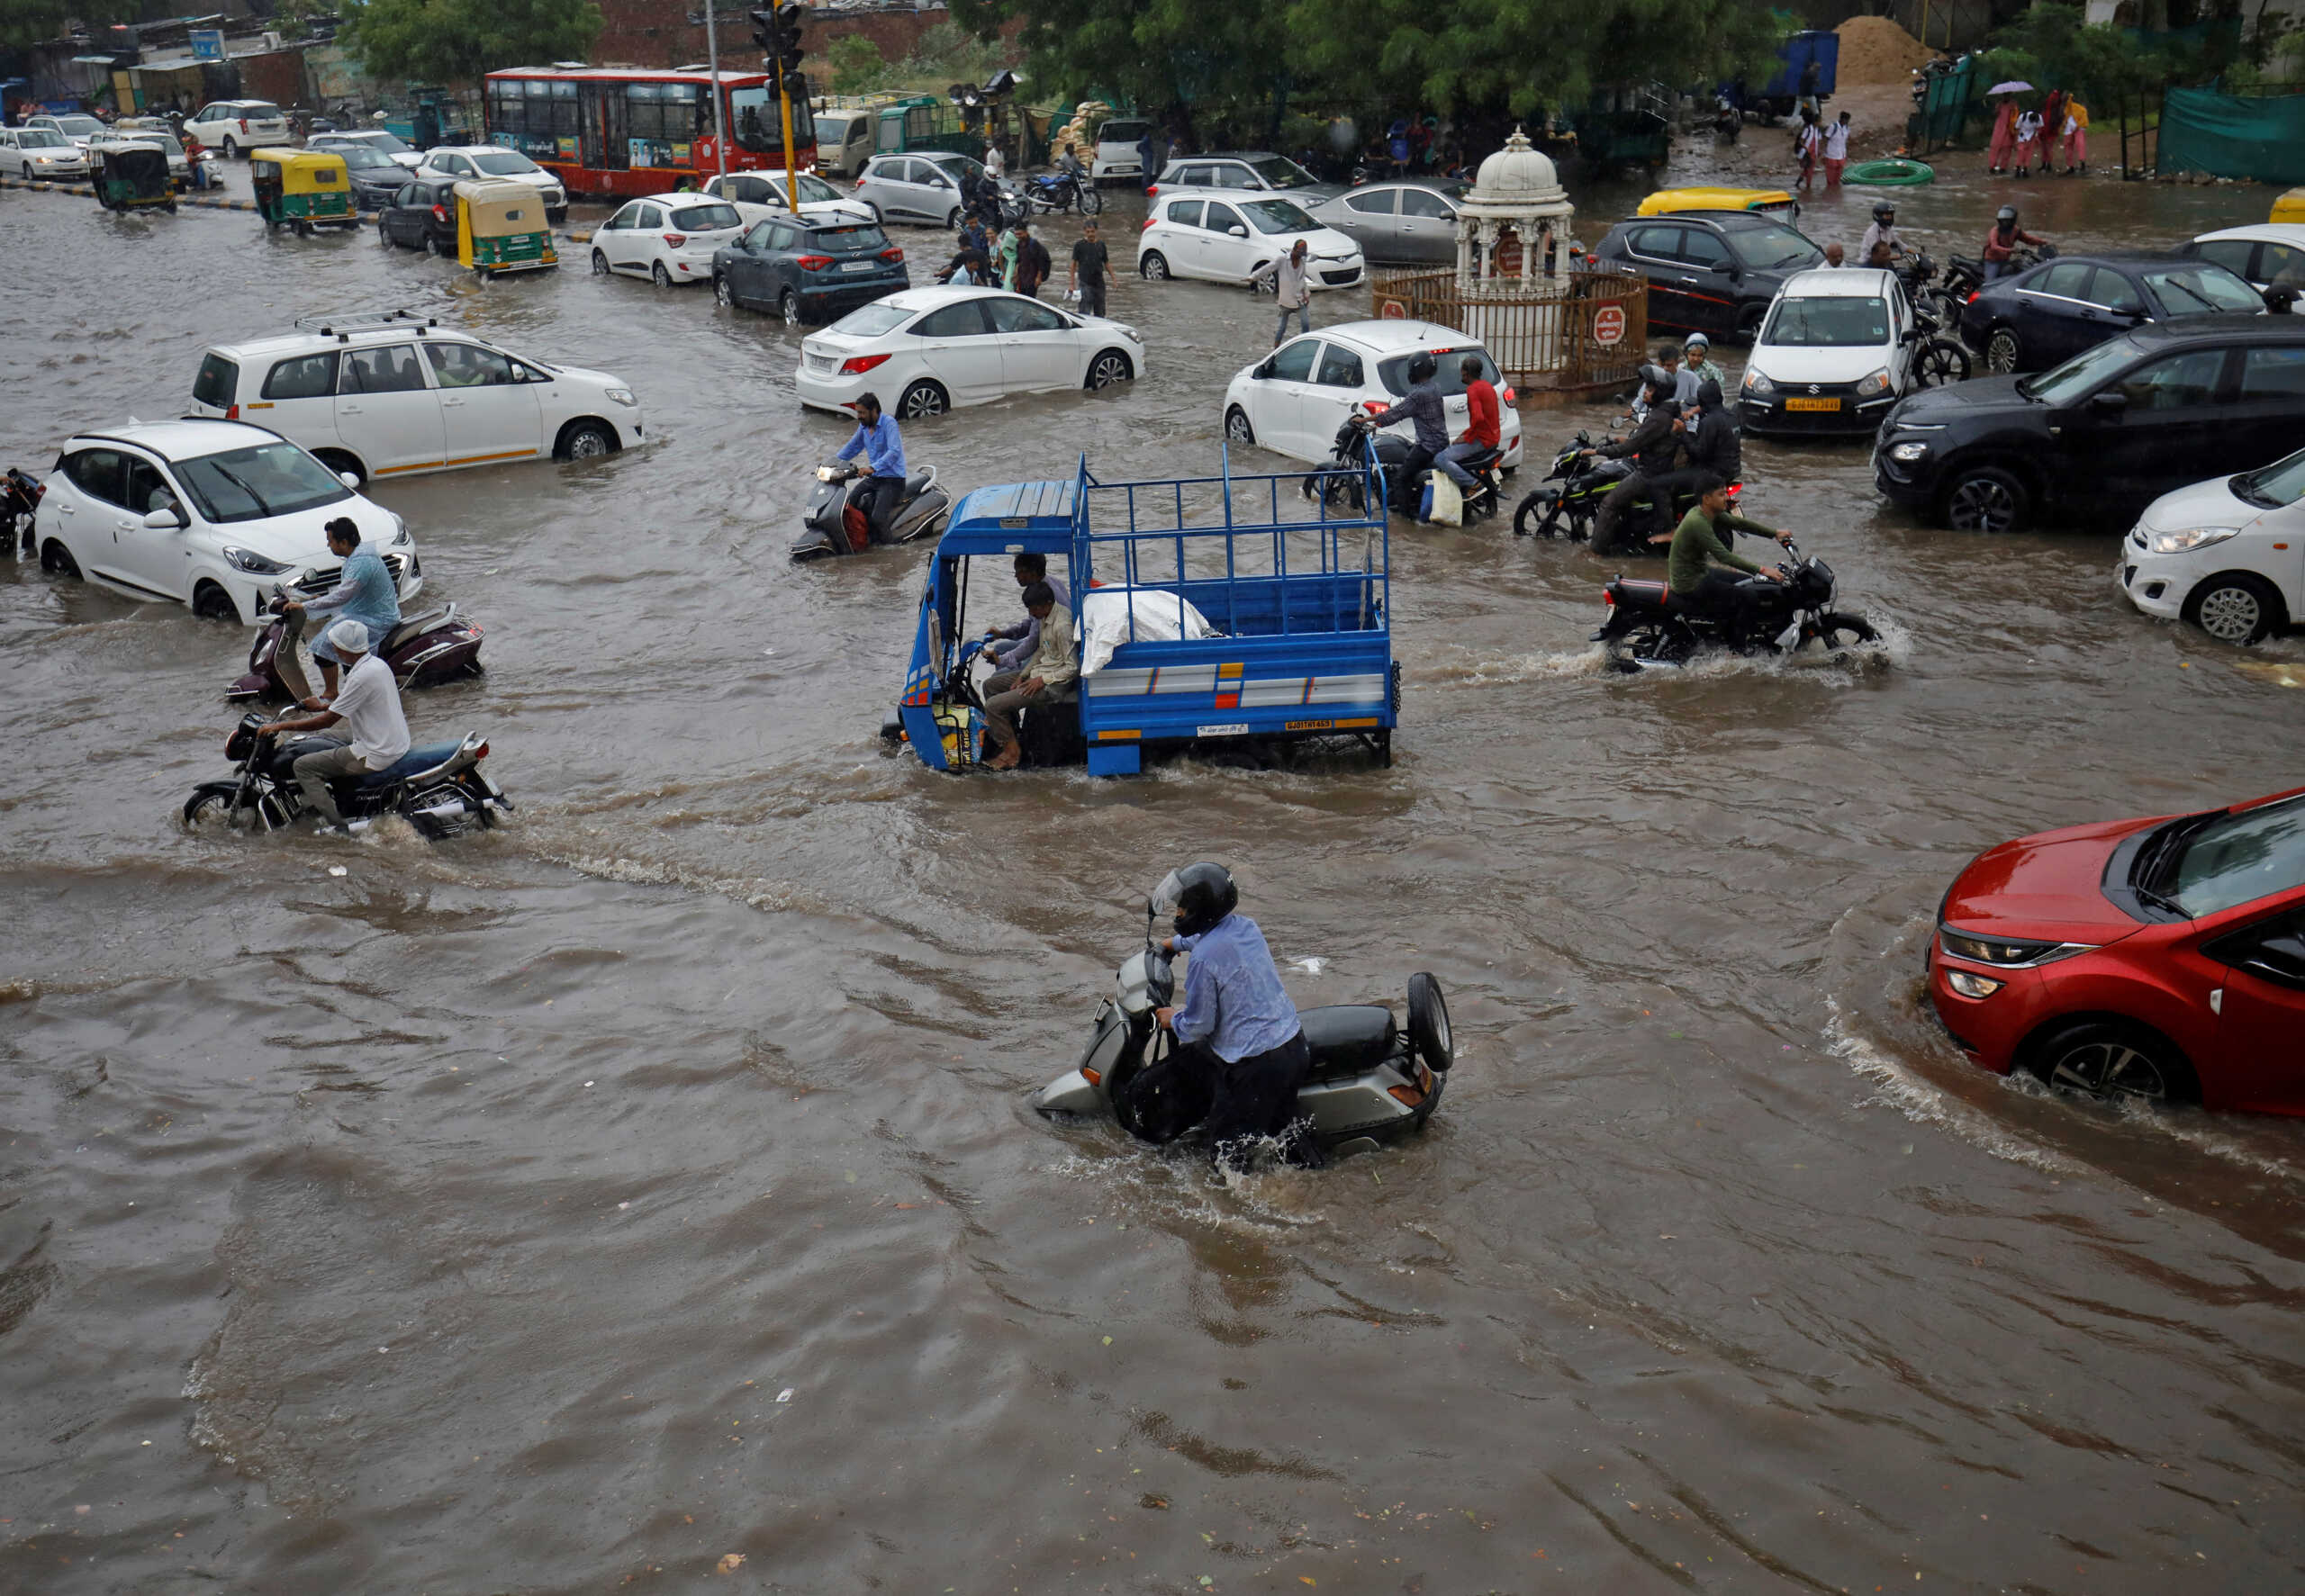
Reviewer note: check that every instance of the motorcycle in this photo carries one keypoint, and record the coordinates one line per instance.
(1648, 626)
(1571, 493)
(20, 493)
(1339, 481)
(836, 523)
(437, 788)
(1051, 192)
(1964, 277)
(1942, 359)
(1727, 122)
(423, 651)
(1369, 1078)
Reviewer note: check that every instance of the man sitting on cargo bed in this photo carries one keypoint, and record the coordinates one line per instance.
(1057, 662)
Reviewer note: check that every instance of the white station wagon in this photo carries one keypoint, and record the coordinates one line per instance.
(393, 394)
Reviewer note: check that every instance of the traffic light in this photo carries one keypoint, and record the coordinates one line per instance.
(763, 28)
(796, 88)
(777, 30)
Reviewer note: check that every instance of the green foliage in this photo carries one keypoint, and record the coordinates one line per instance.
(36, 22)
(857, 67)
(2051, 47)
(458, 41)
(946, 50)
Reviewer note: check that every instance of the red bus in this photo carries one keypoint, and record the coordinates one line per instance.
(630, 130)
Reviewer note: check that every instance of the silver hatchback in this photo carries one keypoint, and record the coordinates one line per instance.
(922, 189)
(1395, 220)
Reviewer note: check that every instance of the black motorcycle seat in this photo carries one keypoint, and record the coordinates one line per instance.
(408, 631)
(915, 484)
(422, 757)
(1654, 595)
(1348, 1036)
(1483, 460)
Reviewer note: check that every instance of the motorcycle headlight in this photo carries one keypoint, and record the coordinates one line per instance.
(826, 474)
(1758, 385)
(1905, 454)
(1879, 382)
(622, 396)
(2189, 538)
(254, 563)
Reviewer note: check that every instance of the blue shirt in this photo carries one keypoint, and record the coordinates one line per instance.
(1234, 999)
(880, 445)
(362, 593)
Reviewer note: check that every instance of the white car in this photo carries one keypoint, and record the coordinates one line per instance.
(385, 144)
(79, 129)
(41, 154)
(2227, 555)
(2268, 253)
(473, 162)
(1294, 400)
(1230, 239)
(668, 238)
(212, 514)
(1831, 356)
(238, 126)
(928, 350)
(923, 188)
(179, 163)
(1120, 151)
(759, 196)
(390, 394)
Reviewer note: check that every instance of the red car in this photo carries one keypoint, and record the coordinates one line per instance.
(2161, 958)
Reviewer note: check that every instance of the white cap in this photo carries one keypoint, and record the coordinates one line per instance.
(348, 636)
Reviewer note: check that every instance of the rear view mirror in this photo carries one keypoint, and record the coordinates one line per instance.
(349, 479)
(2111, 403)
(1238, 232)
(169, 520)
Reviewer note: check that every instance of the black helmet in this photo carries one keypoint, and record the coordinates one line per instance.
(1883, 211)
(1708, 395)
(1196, 897)
(2006, 215)
(1421, 368)
(1662, 381)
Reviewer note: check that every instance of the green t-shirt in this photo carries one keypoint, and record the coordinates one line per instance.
(1695, 543)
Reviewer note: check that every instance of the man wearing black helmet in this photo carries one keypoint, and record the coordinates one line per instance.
(2001, 243)
(1237, 1017)
(1883, 230)
(1651, 445)
(1423, 406)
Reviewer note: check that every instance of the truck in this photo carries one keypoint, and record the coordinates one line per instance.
(1228, 614)
(1782, 94)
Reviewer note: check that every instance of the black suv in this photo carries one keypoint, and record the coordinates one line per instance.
(2104, 434)
(1712, 272)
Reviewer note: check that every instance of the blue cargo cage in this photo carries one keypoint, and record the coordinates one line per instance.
(1297, 609)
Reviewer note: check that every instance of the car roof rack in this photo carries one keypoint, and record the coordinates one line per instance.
(341, 327)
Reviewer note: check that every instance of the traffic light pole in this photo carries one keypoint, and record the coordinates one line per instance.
(791, 161)
(719, 124)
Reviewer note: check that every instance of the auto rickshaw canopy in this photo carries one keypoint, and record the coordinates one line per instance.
(306, 171)
(502, 209)
(1772, 200)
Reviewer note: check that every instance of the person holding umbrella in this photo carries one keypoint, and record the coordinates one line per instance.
(2005, 127)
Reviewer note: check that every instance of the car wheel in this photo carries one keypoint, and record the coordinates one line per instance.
(2002, 352)
(2113, 1059)
(600, 264)
(435, 245)
(1985, 498)
(1237, 431)
(1153, 268)
(383, 237)
(1748, 321)
(922, 399)
(232, 151)
(724, 293)
(2237, 607)
(788, 306)
(1109, 368)
(211, 602)
(659, 275)
(55, 558)
(585, 440)
(337, 461)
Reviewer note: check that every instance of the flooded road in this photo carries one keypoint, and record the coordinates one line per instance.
(650, 1184)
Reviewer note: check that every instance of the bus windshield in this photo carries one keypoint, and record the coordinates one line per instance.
(757, 122)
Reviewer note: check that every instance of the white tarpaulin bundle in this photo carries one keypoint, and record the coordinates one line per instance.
(1158, 616)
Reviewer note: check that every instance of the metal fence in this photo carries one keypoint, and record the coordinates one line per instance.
(1565, 336)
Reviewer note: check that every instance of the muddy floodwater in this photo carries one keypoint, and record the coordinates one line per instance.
(645, 1194)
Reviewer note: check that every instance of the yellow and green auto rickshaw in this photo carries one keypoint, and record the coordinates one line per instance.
(131, 176)
(501, 228)
(303, 188)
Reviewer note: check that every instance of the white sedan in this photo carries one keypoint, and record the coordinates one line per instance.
(759, 196)
(41, 154)
(1295, 400)
(928, 350)
(668, 238)
(1227, 238)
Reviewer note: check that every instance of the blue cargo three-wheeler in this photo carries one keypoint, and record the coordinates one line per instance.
(1208, 617)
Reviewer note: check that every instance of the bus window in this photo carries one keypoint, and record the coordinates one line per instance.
(756, 123)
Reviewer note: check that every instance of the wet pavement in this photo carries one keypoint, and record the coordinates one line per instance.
(651, 1183)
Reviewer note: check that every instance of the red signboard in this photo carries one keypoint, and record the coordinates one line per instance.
(1608, 324)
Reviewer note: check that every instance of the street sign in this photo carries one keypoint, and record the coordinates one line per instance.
(207, 44)
(1608, 325)
(1392, 310)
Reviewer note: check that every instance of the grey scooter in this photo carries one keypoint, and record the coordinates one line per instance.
(835, 525)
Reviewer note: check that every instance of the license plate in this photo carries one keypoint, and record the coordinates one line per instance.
(855, 266)
(820, 362)
(1812, 404)
(1237, 730)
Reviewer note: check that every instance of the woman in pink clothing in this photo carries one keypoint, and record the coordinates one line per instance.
(2004, 137)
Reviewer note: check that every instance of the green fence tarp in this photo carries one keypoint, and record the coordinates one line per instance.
(2202, 130)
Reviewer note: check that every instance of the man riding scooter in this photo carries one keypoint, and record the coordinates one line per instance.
(1429, 413)
(876, 438)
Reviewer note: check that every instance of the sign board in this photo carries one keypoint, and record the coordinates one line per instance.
(207, 44)
(1392, 310)
(1608, 325)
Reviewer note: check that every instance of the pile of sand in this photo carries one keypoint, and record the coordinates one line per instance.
(1875, 51)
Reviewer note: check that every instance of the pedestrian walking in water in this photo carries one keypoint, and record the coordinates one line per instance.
(1287, 274)
(2077, 136)
(2029, 141)
(1092, 270)
(1809, 143)
(2004, 138)
(2052, 127)
(1836, 149)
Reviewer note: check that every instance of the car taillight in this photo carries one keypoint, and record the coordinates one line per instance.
(439, 212)
(1507, 396)
(860, 363)
(244, 124)
(1373, 406)
(813, 262)
(1152, 193)
(1148, 221)
(231, 412)
(675, 240)
(892, 253)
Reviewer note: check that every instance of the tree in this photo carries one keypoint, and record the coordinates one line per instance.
(36, 22)
(460, 41)
(857, 65)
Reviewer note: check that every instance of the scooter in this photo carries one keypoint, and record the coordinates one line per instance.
(1050, 191)
(1565, 501)
(1369, 1078)
(1727, 121)
(439, 646)
(20, 493)
(1340, 479)
(437, 788)
(835, 524)
(1647, 627)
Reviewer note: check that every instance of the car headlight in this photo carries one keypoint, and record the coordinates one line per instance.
(2189, 538)
(1758, 385)
(621, 396)
(2008, 952)
(400, 530)
(254, 563)
(1905, 454)
(1879, 382)
(1971, 986)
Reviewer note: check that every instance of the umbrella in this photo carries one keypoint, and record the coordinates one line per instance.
(2011, 88)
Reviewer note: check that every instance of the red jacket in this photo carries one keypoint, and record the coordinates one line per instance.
(1480, 405)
